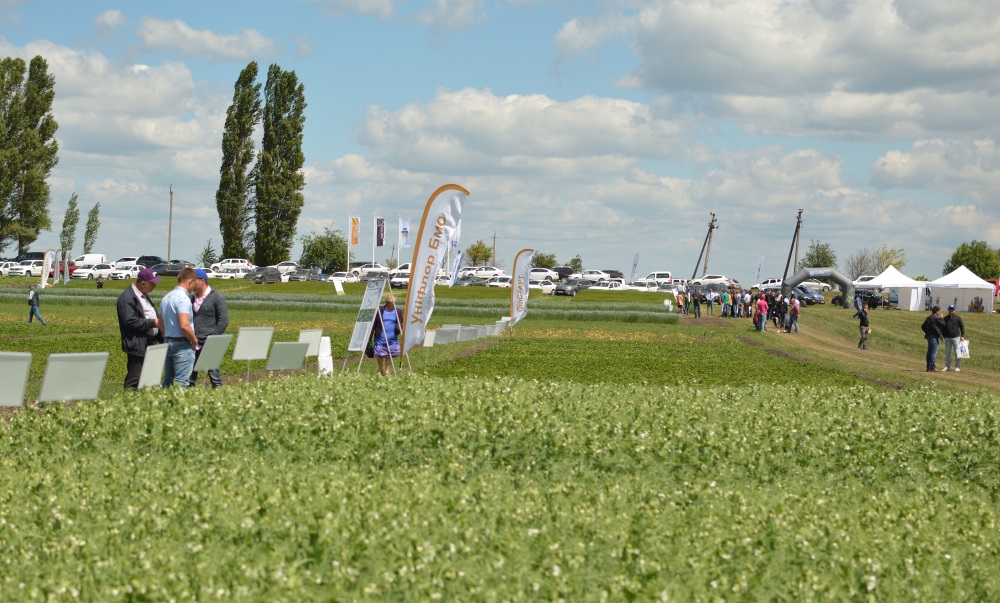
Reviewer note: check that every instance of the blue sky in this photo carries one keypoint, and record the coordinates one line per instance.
(591, 128)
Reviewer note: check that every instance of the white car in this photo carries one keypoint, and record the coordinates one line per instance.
(364, 269)
(467, 270)
(499, 281)
(545, 286)
(860, 282)
(6, 266)
(711, 279)
(816, 285)
(125, 273)
(27, 268)
(208, 271)
(93, 271)
(663, 276)
(595, 276)
(287, 267)
(344, 277)
(125, 262)
(542, 274)
(608, 286)
(646, 286)
(768, 283)
(487, 272)
(232, 263)
(401, 269)
(232, 273)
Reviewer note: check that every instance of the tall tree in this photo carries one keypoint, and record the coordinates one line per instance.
(278, 174)
(234, 199)
(478, 253)
(543, 260)
(327, 251)
(93, 225)
(978, 257)
(860, 262)
(884, 256)
(576, 263)
(207, 257)
(819, 255)
(70, 220)
(28, 150)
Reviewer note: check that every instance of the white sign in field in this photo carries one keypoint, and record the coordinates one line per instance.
(366, 315)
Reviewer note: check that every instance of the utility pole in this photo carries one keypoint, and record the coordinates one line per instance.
(706, 247)
(170, 222)
(494, 262)
(794, 248)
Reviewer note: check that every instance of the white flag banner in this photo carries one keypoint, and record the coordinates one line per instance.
(442, 215)
(457, 235)
(760, 265)
(635, 266)
(519, 284)
(455, 266)
(404, 233)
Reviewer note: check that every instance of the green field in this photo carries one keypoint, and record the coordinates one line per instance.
(603, 450)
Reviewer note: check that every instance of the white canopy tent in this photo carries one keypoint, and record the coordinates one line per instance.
(909, 291)
(962, 288)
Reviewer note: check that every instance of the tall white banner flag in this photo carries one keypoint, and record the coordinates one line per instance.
(442, 215)
(519, 284)
(456, 265)
(760, 264)
(635, 266)
(404, 234)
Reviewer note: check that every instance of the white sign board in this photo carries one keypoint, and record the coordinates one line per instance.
(366, 316)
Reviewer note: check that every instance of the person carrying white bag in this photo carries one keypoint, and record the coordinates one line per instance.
(954, 339)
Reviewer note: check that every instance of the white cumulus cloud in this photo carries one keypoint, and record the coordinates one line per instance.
(176, 35)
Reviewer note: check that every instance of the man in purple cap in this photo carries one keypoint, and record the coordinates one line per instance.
(139, 324)
(211, 317)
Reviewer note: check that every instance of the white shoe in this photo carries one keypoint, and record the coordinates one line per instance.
(958, 370)
(945, 370)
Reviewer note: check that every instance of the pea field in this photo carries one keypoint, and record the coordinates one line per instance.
(603, 450)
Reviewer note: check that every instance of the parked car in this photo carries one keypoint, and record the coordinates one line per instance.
(399, 280)
(232, 263)
(185, 263)
(73, 266)
(645, 286)
(817, 285)
(156, 268)
(613, 285)
(401, 269)
(470, 281)
(232, 273)
(615, 273)
(595, 276)
(872, 297)
(572, 286)
(809, 296)
(768, 283)
(545, 286)
(123, 262)
(125, 273)
(92, 271)
(5, 267)
(91, 258)
(860, 282)
(287, 267)
(542, 274)
(254, 273)
(27, 268)
(488, 272)
(563, 272)
(499, 281)
(170, 270)
(364, 269)
(346, 277)
(662, 276)
(268, 275)
(711, 279)
(209, 273)
(148, 261)
(374, 275)
(304, 274)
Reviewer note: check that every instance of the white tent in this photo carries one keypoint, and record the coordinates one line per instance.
(909, 291)
(962, 288)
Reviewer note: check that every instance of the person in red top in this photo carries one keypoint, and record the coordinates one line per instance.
(761, 314)
(793, 314)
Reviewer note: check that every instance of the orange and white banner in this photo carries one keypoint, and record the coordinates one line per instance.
(519, 284)
(355, 226)
(437, 227)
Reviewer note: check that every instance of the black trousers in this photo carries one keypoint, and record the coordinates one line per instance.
(133, 371)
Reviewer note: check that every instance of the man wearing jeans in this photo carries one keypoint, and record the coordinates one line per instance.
(178, 330)
(211, 317)
(954, 332)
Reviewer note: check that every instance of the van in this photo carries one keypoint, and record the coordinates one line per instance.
(91, 258)
(656, 277)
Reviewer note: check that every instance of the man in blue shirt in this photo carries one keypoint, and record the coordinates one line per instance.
(178, 330)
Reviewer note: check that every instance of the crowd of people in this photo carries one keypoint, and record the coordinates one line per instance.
(762, 307)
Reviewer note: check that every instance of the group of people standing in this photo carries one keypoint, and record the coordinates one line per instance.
(949, 328)
(760, 307)
(187, 316)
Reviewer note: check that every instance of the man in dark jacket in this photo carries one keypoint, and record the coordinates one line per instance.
(211, 317)
(933, 329)
(954, 333)
(139, 324)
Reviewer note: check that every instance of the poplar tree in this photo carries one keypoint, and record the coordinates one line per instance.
(28, 150)
(234, 199)
(93, 224)
(70, 220)
(278, 174)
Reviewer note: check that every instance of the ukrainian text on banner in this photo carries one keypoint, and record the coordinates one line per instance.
(519, 284)
(437, 227)
(379, 232)
(355, 226)
(404, 233)
(366, 316)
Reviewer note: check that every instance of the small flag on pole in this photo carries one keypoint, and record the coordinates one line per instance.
(404, 233)
(379, 232)
(355, 226)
